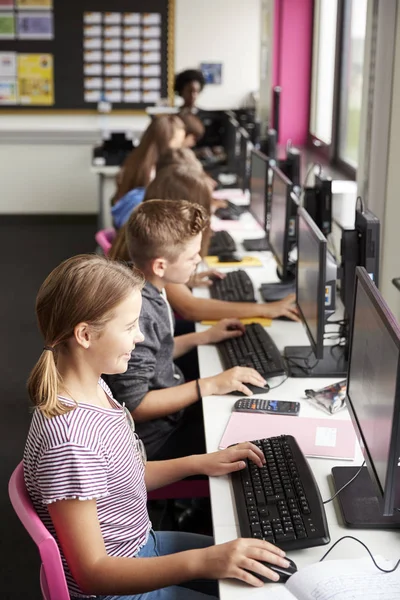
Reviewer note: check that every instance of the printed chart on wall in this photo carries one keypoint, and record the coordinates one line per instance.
(72, 55)
(122, 57)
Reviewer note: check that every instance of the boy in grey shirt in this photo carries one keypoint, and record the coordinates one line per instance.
(164, 240)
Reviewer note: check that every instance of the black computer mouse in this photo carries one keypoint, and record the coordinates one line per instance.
(284, 573)
(229, 257)
(256, 389)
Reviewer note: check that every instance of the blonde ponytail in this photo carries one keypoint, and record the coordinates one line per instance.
(84, 288)
(43, 385)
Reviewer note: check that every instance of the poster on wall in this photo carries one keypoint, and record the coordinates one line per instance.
(6, 4)
(212, 73)
(35, 4)
(7, 26)
(36, 79)
(121, 58)
(35, 25)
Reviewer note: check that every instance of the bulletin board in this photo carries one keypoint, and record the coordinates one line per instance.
(68, 55)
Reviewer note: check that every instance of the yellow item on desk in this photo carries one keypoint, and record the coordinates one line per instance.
(247, 261)
(245, 320)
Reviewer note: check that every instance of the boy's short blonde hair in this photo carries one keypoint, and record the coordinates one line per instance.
(160, 228)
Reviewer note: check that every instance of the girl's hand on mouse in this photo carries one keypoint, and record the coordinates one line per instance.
(283, 308)
(233, 380)
(223, 330)
(205, 278)
(229, 460)
(235, 559)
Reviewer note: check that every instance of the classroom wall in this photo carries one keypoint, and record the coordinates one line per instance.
(45, 161)
(226, 31)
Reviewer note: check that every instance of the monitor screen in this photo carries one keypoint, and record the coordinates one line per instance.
(258, 187)
(244, 160)
(278, 233)
(311, 275)
(373, 378)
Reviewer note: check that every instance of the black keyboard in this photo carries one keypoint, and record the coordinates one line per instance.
(256, 349)
(221, 242)
(280, 502)
(235, 287)
(230, 212)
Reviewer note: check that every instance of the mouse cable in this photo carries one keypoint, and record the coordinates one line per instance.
(350, 537)
(279, 384)
(344, 486)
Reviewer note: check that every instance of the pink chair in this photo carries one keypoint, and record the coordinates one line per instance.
(52, 578)
(105, 238)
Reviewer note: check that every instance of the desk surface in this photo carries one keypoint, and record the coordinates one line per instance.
(217, 409)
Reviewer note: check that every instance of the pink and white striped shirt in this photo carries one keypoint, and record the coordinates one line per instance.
(90, 453)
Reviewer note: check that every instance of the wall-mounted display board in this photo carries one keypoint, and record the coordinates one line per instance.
(71, 54)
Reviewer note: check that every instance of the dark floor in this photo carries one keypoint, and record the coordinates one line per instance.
(29, 249)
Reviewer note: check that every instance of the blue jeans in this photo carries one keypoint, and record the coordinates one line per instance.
(161, 543)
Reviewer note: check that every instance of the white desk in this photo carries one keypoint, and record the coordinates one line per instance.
(217, 409)
(106, 189)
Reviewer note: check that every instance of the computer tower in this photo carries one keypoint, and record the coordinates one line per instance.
(368, 228)
(323, 187)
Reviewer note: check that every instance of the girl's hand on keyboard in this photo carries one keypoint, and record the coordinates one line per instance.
(205, 278)
(229, 460)
(235, 559)
(284, 308)
(233, 380)
(223, 330)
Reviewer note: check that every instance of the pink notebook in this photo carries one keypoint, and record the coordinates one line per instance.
(327, 438)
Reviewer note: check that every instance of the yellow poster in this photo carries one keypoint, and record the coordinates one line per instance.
(36, 79)
(35, 4)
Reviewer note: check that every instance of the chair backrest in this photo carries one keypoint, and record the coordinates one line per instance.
(52, 577)
(105, 238)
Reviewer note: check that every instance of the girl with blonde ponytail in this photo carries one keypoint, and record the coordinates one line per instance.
(85, 468)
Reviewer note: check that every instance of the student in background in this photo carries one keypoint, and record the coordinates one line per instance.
(188, 85)
(164, 241)
(180, 182)
(84, 466)
(164, 132)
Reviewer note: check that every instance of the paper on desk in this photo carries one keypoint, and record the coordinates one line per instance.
(247, 261)
(245, 320)
(346, 580)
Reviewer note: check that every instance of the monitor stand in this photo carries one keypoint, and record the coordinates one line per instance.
(304, 363)
(359, 503)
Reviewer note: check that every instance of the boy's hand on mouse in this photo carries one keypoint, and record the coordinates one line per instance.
(229, 460)
(284, 308)
(223, 330)
(234, 560)
(217, 203)
(205, 278)
(233, 380)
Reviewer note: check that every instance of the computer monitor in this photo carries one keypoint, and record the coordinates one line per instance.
(214, 122)
(232, 144)
(282, 231)
(258, 186)
(243, 169)
(316, 302)
(373, 400)
(290, 165)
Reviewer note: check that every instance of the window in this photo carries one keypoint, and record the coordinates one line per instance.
(323, 75)
(337, 79)
(352, 81)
